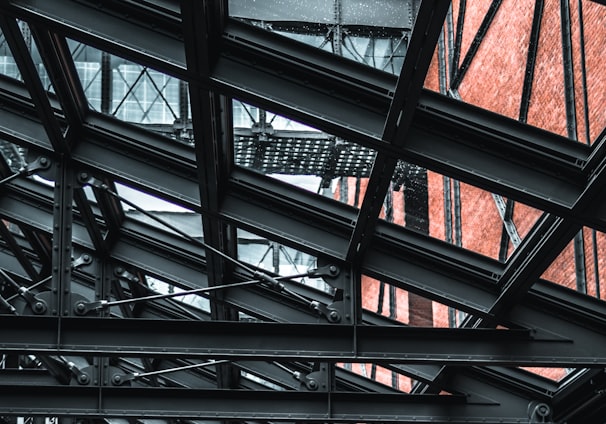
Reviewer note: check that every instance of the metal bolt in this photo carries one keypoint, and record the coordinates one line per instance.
(333, 269)
(39, 307)
(43, 161)
(83, 379)
(334, 316)
(116, 379)
(312, 385)
(80, 308)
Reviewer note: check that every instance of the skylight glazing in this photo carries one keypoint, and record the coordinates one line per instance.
(8, 67)
(133, 93)
(542, 72)
(357, 30)
(580, 266)
(299, 155)
(279, 259)
(408, 308)
(459, 213)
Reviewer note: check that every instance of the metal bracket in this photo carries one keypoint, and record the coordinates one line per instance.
(311, 381)
(84, 178)
(122, 273)
(539, 412)
(40, 164)
(81, 377)
(82, 308)
(84, 259)
(326, 271)
(122, 379)
(332, 313)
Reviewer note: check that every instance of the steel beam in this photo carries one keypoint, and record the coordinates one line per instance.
(445, 137)
(33, 83)
(326, 342)
(105, 29)
(253, 405)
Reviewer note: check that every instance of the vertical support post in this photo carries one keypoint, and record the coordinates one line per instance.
(571, 128)
(416, 215)
(106, 83)
(62, 240)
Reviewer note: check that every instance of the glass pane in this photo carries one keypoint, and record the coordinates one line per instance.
(408, 308)
(299, 155)
(279, 259)
(381, 375)
(513, 59)
(554, 374)
(161, 287)
(580, 266)
(376, 35)
(37, 59)
(177, 216)
(13, 155)
(133, 93)
(459, 213)
(8, 66)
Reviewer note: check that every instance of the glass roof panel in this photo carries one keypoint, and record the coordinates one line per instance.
(408, 308)
(37, 59)
(554, 374)
(374, 34)
(458, 213)
(299, 155)
(539, 66)
(161, 210)
(580, 266)
(8, 66)
(387, 377)
(278, 258)
(133, 93)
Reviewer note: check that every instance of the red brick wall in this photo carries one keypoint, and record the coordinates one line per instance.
(494, 81)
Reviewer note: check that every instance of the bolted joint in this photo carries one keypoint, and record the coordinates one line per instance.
(311, 384)
(120, 272)
(84, 259)
(40, 164)
(83, 379)
(332, 315)
(84, 179)
(539, 412)
(39, 307)
(82, 307)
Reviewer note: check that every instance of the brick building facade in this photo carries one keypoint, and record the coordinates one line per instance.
(495, 80)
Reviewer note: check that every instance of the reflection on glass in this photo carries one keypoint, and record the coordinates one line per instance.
(554, 374)
(133, 93)
(374, 34)
(162, 287)
(36, 57)
(277, 258)
(522, 67)
(409, 308)
(458, 213)
(13, 155)
(297, 154)
(382, 375)
(8, 66)
(580, 266)
(175, 215)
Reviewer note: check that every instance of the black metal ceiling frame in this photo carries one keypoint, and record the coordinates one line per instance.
(570, 172)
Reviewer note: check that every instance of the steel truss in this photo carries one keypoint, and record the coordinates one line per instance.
(79, 337)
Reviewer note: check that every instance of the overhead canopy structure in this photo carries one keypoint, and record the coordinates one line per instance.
(208, 208)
